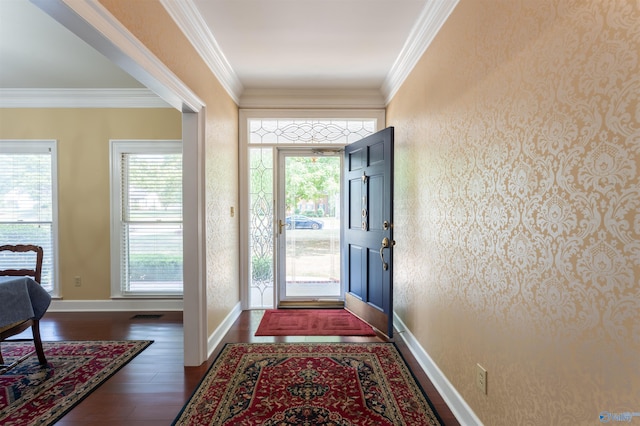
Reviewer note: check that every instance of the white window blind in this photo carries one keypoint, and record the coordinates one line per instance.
(150, 213)
(27, 203)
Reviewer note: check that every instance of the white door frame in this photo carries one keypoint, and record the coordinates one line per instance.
(246, 114)
(280, 246)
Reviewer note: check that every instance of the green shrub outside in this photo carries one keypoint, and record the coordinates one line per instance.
(261, 269)
(155, 267)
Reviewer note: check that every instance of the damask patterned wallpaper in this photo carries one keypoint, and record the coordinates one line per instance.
(517, 209)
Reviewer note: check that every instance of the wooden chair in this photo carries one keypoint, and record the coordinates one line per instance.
(36, 274)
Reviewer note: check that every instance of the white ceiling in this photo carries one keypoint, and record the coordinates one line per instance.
(310, 44)
(275, 45)
(37, 52)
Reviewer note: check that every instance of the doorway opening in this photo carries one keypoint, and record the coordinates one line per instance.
(310, 134)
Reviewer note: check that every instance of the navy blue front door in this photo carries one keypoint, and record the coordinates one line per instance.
(368, 235)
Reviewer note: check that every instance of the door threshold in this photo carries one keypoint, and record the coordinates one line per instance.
(310, 304)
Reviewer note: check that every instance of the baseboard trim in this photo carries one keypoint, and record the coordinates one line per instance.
(116, 305)
(454, 400)
(218, 334)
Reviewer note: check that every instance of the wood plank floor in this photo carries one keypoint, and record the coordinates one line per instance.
(152, 388)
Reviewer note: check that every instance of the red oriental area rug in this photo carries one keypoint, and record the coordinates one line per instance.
(281, 384)
(312, 322)
(31, 394)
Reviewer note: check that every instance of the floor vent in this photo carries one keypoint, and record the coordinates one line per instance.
(146, 316)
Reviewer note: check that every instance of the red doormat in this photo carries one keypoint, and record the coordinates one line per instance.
(282, 384)
(31, 394)
(312, 322)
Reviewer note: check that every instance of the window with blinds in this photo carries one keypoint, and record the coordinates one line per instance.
(28, 203)
(148, 208)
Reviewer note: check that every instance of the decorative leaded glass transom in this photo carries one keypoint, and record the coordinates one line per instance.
(307, 131)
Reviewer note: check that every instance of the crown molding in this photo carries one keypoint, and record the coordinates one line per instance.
(431, 19)
(80, 98)
(187, 17)
(316, 98)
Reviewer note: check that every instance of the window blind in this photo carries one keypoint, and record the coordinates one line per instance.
(151, 190)
(27, 203)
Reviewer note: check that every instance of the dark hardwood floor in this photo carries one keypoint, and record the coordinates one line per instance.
(154, 386)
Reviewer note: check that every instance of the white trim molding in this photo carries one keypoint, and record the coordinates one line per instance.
(459, 407)
(116, 305)
(216, 337)
(80, 98)
(433, 16)
(187, 17)
(194, 234)
(294, 98)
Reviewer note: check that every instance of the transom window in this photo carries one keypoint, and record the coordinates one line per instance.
(308, 131)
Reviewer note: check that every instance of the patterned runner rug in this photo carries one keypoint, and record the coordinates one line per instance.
(281, 384)
(312, 322)
(32, 394)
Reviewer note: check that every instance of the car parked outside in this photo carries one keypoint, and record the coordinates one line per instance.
(298, 221)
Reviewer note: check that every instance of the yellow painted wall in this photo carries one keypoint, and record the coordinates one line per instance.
(150, 23)
(83, 180)
(517, 207)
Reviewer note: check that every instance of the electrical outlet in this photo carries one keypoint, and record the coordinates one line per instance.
(481, 378)
(77, 282)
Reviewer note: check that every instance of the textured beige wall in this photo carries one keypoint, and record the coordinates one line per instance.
(83, 180)
(150, 23)
(518, 207)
